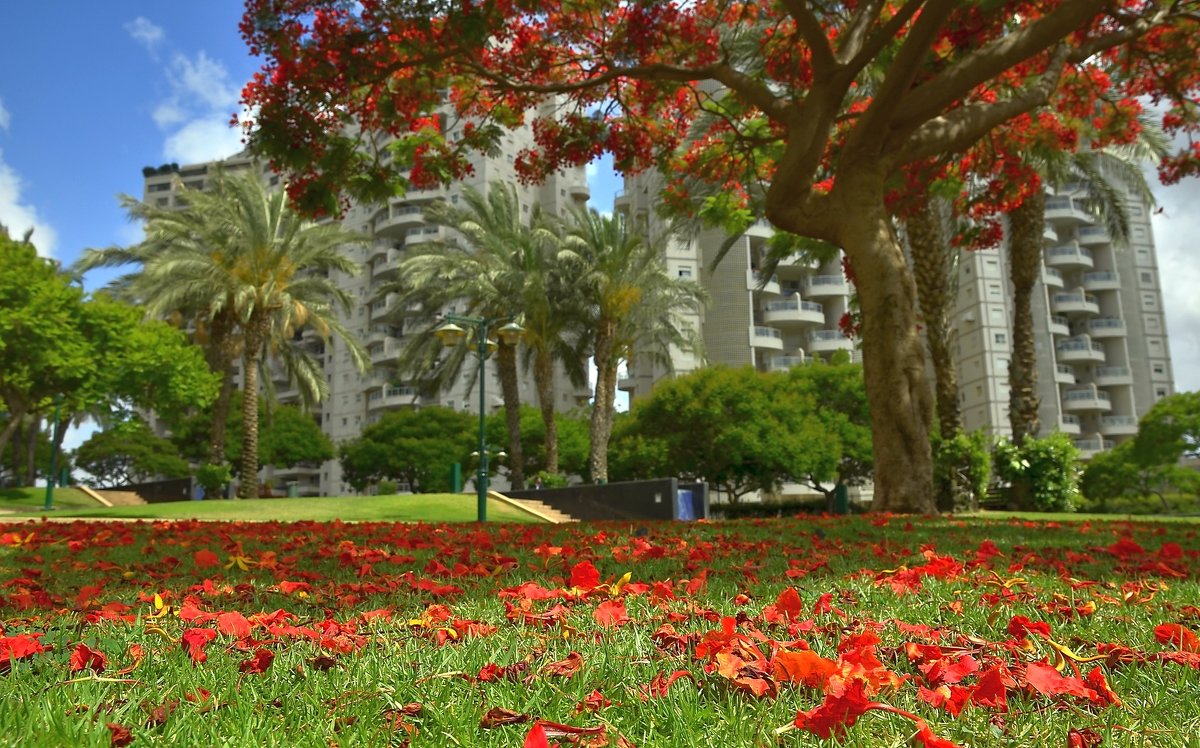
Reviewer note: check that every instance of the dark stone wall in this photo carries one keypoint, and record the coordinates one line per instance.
(160, 491)
(643, 499)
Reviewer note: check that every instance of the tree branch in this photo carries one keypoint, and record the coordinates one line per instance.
(933, 96)
(851, 40)
(962, 127)
(809, 27)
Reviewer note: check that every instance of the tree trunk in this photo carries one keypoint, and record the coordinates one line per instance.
(506, 369)
(32, 433)
(893, 361)
(220, 354)
(15, 414)
(933, 268)
(1026, 227)
(256, 333)
(600, 428)
(543, 378)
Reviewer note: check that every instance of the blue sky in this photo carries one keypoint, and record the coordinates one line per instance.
(93, 91)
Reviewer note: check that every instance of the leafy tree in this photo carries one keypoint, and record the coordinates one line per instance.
(128, 452)
(629, 306)
(96, 355)
(291, 437)
(738, 429)
(242, 261)
(417, 447)
(1148, 466)
(572, 429)
(809, 112)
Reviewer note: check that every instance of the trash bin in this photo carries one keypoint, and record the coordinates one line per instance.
(841, 499)
(293, 489)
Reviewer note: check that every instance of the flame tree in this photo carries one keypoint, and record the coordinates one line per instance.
(808, 112)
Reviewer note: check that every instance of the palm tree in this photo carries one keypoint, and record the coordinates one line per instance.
(1096, 170)
(507, 267)
(629, 306)
(252, 273)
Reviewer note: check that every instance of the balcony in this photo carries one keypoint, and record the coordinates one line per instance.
(1079, 350)
(1069, 256)
(826, 285)
(1069, 424)
(1049, 234)
(1105, 376)
(755, 282)
(1064, 374)
(627, 384)
(621, 200)
(1092, 235)
(1061, 208)
(1106, 327)
(761, 228)
(420, 235)
(1059, 325)
(1086, 399)
(393, 397)
(399, 220)
(579, 191)
(766, 337)
(783, 363)
(794, 312)
(298, 471)
(379, 252)
(1074, 303)
(1118, 425)
(1089, 448)
(1052, 277)
(828, 341)
(384, 354)
(1104, 280)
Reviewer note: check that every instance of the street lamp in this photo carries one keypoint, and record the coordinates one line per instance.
(476, 335)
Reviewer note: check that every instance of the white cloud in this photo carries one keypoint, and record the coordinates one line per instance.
(203, 140)
(4, 117)
(1175, 232)
(193, 115)
(145, 32)
(18, 216)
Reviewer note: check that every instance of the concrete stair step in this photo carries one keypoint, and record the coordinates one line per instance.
(536, 508)
(121, 498)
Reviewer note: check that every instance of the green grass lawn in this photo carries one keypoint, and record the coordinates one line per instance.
(27, 499)
(315, 634)
(406, 508)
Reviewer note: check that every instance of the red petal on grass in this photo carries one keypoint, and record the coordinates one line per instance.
(593, 702)
(233, 624)
(1181, 636)
(1096, 680)
(258, 663)
(927, 739)
(19, 647)
(992, 689)
(584, 576)
(610, 614)
(1049, 682)
(498, 716)
(661, 683)
(1019, 626)
(1085, 738)
(120, 734)
(839, 711)
(565, 667)
(804, 667)
(536, 737)
(206, 558)
(195, 640)
(86, 658)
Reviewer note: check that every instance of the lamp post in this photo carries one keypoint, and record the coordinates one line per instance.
(476, 335)
(53, 454)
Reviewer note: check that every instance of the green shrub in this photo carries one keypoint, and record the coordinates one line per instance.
(386, 488)
(1044, 473)
(962, 470)
(550, 480)
(213, 478)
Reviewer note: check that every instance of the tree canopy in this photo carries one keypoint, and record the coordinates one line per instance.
(128, 452)
(815, 114)
(417, 447)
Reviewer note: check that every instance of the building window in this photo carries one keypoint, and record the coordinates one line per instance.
(685, 272)
(1160, 368)
(1147, 276)
(1160, 392)
(1148, 301)
(1001, 338)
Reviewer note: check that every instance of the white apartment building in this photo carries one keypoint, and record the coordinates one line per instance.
(359, 399)
(1100, 328)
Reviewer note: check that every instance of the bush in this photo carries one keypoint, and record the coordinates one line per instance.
(550, 480)
(386, 488)
(213, 478)
(1044, 473)
(962, 470)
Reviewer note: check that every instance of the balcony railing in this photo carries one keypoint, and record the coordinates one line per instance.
(767, 332)
(1087, 394)
(1079, 345)
(1111, 371)
(794, 305)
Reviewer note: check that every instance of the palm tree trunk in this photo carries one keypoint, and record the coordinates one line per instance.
(933, 267)
(256, 334)
(221, 354)
(1026, 224)
(543, 378)
(602, 402)
(506, 368)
